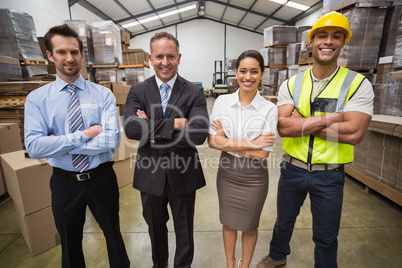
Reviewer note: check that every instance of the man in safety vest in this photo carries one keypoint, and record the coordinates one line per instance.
(323, 112)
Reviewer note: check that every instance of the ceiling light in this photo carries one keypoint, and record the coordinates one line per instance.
(201, 9)
(130, 24)
(279, 1)
(159, 16)
(297, 6)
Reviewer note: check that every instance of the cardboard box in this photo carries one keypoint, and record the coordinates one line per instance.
(38, 229)
(27, 181)
(398, 185)
(117, 87)
(124, 171)
(134, 57)
(121, 98)
(127, 147)
(389, 175)
(10, 138)
(373, 166)
(386, 124)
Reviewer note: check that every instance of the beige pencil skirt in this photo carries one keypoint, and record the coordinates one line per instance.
(242, 185)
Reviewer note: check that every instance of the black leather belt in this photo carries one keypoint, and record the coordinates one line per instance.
(309, 167)
(78, 176)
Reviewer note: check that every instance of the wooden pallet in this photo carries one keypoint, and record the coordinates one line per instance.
(377, 186)
(306, 57)
(277, 66)
(277, 46)
(12, 100)
(102, 65)
(33, 62)
(144, 65)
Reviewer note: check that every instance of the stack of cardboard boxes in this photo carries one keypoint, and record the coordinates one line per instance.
(18, 40)
(125, 157)
(27, 182)
(379, 157)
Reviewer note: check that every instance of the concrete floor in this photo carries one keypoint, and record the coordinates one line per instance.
(370, 234)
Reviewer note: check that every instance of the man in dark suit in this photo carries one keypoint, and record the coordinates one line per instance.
(168, 115)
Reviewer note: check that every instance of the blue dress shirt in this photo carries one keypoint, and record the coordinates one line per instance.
(46, 114)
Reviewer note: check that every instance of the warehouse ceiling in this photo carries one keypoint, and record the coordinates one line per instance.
(141, 16)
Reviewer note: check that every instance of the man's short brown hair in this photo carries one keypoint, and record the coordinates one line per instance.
(63, 30)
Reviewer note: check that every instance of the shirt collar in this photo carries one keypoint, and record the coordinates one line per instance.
(170, 82)
(61, 84)
(325, 79)
(254, 103)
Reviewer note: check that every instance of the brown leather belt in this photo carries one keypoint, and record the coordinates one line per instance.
(89, 174)
(309, 167)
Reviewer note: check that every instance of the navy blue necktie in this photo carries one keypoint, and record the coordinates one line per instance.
(80, 161)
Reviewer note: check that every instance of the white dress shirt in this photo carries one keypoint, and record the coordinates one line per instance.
(244, 123)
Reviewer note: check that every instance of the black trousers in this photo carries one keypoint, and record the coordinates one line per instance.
(156, 215)
(69, 201)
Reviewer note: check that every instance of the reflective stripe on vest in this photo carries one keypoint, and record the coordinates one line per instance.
(332, 98)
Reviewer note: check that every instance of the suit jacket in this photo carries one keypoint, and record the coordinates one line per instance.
(165, 154)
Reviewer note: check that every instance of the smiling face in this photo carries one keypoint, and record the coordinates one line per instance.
(66, 56)
(249, 74)
(164, 58)
(327, 43)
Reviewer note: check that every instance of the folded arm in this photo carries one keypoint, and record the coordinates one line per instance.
(39, 140)
(292, 124)
(169, 132)
(249, 149)
(350, 131)
(105, 136)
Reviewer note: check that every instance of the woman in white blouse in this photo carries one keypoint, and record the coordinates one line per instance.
(243, 127)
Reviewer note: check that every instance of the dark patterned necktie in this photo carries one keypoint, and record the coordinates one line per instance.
(80, 161)
(164, 97)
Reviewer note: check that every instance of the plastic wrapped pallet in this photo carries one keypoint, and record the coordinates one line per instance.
(304, 42)
(33, 70)
(85, 32)
(108, 74)
(136, 75)
(18, 35)
(277, 56)
(231, 65)
(392, 98)
(362, 50)
(134, 57)
(274, 56)
(388, 40)
(279, 35)
(378, 97)
(300, 30)
(268, 91)
(232, 81)
(107, 42)
(397, 60)
(292, 70)
(282, 76)
(9, 68)
(264, 53)
(292, 54)
(18, 40)
(271, 76)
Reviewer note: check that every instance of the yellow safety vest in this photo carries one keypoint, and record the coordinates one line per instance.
(331, 99)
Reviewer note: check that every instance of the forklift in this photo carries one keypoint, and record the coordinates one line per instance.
(219, 83)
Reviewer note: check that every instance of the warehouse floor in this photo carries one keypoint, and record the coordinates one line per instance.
(370, 234)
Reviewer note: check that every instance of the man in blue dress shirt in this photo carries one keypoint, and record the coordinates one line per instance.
(74, 124)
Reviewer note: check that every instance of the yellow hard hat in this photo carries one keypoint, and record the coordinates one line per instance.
(331, 19)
